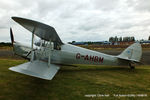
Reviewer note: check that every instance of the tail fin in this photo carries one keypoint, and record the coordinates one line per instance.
(132, 53)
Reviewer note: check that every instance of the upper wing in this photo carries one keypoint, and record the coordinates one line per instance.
(43, 31)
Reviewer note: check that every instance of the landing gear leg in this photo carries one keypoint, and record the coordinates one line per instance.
(131, 66)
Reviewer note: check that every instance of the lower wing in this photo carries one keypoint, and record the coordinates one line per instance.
(37, 69)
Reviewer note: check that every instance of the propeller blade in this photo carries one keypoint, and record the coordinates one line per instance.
(28, 54)
(11, 36)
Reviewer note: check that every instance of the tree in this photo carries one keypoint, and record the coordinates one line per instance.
(120, 39)
(149, 38)
(111, 39)
(73, 42)
(116, 39)
(132, 38)
(125, 39)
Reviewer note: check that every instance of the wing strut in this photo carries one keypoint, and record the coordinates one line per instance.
(32, 52)
(49, 57)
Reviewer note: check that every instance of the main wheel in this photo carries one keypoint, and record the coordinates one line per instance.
(131, 66)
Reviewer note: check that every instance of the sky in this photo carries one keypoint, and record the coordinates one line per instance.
(78, 20)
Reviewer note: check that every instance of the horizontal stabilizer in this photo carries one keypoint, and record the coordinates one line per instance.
(37, 69)
(132, 60)
(43, 31)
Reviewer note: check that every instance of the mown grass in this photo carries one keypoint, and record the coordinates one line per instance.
(6, 48)
(73, 83)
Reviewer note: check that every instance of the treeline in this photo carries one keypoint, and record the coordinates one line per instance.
(121, 39)
(89, 43)
(5, 44)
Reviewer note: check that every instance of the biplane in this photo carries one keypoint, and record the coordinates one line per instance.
(47, 56)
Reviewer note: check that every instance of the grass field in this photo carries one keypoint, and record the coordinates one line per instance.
(75, 83)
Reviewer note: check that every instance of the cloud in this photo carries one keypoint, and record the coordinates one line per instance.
(80, 20)
(139, 5)
(106, 5)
